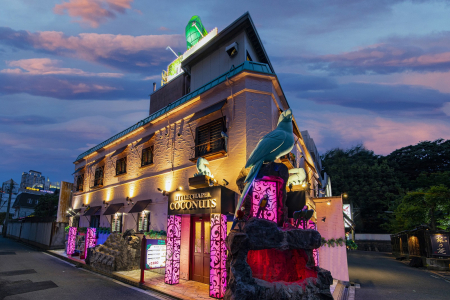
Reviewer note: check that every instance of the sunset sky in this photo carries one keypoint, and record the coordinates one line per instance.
(75, 72)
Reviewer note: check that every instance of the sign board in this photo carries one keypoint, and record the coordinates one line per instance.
(210, 200)
(156, 254)
(439, 245)
(348, 212)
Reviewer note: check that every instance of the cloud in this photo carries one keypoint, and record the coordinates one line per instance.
(46, 66)
(298, 82)
(145, 53)
(26, 120)
(429, 53)
(387, 100)
(93, 12)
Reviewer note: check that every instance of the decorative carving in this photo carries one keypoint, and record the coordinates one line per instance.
(263, 188)
(90, 239)
(71, 240)
(217, 267)
(172, 275)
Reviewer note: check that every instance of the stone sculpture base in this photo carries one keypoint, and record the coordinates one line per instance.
(282, 260)
(118, 253)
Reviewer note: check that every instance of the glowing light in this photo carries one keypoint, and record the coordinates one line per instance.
(328, 202)
(132, 189)
(168, 185)
(218, 256)
(71, 239)
(262, 188)
(172, 274)
(90, 240)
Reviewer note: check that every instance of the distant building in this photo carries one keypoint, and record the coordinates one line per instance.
(24, 204)
(34, 182)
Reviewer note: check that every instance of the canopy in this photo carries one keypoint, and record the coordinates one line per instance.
(118, 151)
(97, 161)
(208, 110)
(73, 212)
(145, 139)
(112, 209)
(92, 210)
(140, 206)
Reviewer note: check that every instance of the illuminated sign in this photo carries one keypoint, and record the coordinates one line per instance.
(47, 191)
(348, 212)
(439, 245)
(156, 254)
(210, 200)
(32, 189)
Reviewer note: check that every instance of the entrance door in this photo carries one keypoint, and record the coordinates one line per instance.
(201, 245)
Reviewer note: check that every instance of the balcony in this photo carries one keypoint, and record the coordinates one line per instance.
(289, 160)
(98, 182)
(210, 150)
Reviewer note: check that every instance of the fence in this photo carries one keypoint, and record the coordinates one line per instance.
(42, 233)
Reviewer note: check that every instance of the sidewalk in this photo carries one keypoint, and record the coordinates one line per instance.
(189, 290)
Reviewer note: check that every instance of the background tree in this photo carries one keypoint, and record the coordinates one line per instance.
(47, 206)
(371, 184)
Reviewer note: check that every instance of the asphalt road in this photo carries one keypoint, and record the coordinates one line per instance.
(382, 277)
(26, 273)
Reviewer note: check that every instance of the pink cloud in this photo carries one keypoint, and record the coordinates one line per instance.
(93, 12)
(46, 66)
(378, 134)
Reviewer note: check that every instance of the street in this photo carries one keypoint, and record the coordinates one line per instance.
(382, 277)
(26, 273)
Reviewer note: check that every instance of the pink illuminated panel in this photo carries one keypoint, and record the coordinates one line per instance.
(260, 189)
(217, 267)
(173, 241)
(71, 240)
(90, 239)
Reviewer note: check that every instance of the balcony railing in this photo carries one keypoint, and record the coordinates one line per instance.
(211, 149)
(289, 160)
(98, 182)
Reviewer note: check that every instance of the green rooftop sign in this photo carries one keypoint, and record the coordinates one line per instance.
(194, 31)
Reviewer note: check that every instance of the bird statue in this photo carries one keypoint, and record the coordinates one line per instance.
(273, 145)
(202, 168)
(297, 176)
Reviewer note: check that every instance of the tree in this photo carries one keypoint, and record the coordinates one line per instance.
(370, 183)
(47, 206)
(430, 206)
(425, 157)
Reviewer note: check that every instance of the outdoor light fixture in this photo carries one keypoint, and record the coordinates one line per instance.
(180, 188)
(225, 182)
(344, 195)
(165, 193)
(105, 203)
(129, 201)
(304, 184)
(323, 219)
(329, 202)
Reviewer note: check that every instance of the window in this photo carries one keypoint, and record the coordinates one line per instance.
(248, 57)
(80, 181)
(143, 222)
(116, 223)
(76, 221)
(210, 139)
(95, 221)
(98, 178)
(30, 201)
(121, 166)
(147, 156)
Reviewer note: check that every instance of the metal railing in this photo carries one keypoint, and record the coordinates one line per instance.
(211, 147)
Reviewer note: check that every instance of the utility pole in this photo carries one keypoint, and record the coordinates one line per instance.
(5, 223)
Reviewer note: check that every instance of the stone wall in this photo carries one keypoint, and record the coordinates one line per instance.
(378, 246)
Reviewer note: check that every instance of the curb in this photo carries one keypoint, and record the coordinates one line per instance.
(116, 277)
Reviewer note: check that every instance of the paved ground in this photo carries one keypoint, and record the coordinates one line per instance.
(26, 273)
(382, 277)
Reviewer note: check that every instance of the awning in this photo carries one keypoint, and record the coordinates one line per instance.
(118, 151)
(112, 209)
(208, 110)
(92, 210)
(79, 169)
(145, 139)
(140, 206)
(97, 161)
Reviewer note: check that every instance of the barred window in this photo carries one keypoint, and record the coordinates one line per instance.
(121, 166)
(147, 156)
(98, 178)
(80, 181)
(116, 223)
(143, 222)
(209, 138)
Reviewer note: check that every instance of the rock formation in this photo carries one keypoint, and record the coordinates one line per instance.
(118, 253)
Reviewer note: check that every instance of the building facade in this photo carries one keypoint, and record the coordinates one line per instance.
(218, 100)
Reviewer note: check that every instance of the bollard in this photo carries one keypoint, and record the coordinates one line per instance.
(143, 258)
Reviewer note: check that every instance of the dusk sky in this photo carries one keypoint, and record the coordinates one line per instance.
(75, 72)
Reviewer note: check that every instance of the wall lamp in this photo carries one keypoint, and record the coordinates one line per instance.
(180, 188)
(212, 182)
(329, 202)
(323, 219)
(129, 201)
(106, 204)
(165, 193)
(225, 182)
